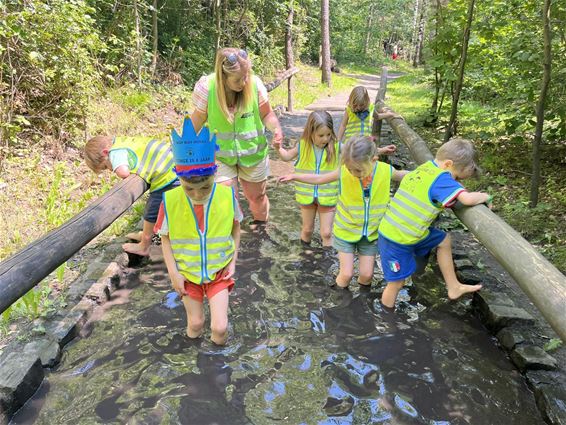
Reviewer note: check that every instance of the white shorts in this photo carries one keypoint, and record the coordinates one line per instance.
(255, 174)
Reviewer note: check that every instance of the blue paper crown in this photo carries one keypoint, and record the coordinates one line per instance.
(193, 153)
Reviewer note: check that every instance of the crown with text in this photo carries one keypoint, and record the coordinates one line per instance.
(193, 153)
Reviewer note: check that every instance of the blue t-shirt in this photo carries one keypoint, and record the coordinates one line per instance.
(445, 190)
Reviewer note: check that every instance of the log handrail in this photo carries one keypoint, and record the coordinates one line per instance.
(288, 73)
(536, 276)
(25, 269)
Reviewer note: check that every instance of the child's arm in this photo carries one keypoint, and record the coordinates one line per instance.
(177, 279)
(387, 150)
(343, 125)
(312, 178)
(230, 269)
(386, 114)
(397, 175)
(122, 171)
(473, 198)
(286, 154)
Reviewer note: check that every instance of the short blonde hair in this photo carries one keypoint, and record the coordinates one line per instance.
(359, 99)
(223, 69)
(462, 153)
(360, 150)
(94, 157)
(316, 120)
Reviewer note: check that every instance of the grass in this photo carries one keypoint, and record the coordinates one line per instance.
(505, 160)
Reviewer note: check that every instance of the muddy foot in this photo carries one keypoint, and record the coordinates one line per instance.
(136, 248)
(458, 290)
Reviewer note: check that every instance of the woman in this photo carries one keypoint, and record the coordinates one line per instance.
(235, 104)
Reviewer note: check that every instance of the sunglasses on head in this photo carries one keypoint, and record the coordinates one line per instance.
(232, 58)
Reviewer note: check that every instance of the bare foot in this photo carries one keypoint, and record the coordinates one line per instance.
(135, 236)
(136, 248)
(192, 335)
(456, 291)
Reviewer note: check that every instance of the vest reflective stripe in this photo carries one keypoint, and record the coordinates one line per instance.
(201, 255)
(357, 216)
(356, 126)
(307, 163)
(242, 141)
(411, 212)
(153, 160)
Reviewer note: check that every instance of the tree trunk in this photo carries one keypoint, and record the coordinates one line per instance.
(414, 31)
(368, 29)
(420, 36)
(325, 36)
(434, 109)
(155, 36)
(138, 44)
(546, 66)
(218, 22)
(289, 59)
(450, 130)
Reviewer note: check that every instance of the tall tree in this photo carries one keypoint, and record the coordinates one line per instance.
(537, 141)
(155, 37)
(139, 53)
(289, 58)
(325, 41)
(451, 128)
(418, 48)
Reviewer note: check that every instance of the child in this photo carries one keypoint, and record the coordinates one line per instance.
(405, 235)
(363, 197)
(199, 224)
(357, 118)
(149, 158)
(316, 153)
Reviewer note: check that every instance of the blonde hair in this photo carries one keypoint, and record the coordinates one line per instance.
(223, 69)
(462, 153)
(359, 150)
(316, 120)
(94, 157)
(359, 99)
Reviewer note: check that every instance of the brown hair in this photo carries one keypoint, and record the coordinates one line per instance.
(196, 179)
(462, 153)
(93, 155)
(223, 69)
(359, 150)
(359, 99)
(316, 120)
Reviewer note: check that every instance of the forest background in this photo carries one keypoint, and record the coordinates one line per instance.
(70, 69)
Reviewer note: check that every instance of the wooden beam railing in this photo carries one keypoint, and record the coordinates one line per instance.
(24, 270)
(285, 75)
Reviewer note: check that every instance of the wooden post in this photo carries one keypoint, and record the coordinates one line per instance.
(24, 270)
(537, 277)
(378, 124)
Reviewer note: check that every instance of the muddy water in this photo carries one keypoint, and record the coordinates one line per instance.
(299, 352)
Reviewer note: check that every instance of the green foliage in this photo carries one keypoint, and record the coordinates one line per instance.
(552, 345)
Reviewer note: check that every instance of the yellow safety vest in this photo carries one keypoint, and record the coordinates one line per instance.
(242, 141)
(200, 255)
(411, 212)
(150, 159)
(356, 126)
(356, 215)
(307, 163)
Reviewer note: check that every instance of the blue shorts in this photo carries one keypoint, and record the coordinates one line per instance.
(398, 261)
(154, 201)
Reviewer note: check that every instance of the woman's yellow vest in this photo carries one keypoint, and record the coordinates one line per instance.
(411, 212)
(307, 163)
(151, 159)
(200, 255)
(356, 215)
(242, 141)
(356, 126)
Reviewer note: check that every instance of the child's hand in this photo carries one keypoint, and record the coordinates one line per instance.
(178, 283)
(387, 150)
(488, 201)
(277, 138)
(287, 178)
(229, 270)
(276, 144)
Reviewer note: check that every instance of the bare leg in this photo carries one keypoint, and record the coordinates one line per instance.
(308, 215)
(390, 293)
(346, 269)
(141, 248)
(256, 195)
(219, 317)
(453, 285)
(232, 183)
(195, 317)
(326, 221)
(367, 264)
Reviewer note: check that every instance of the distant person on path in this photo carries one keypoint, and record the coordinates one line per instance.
(364, 194)
(236, 106)
(199, 224)
(357, 119)
(317, 154)
(149, 158)
(406, 237)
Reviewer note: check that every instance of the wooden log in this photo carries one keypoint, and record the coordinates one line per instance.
(288, 73)
(24, 270)
(377, 125)
(536, 276)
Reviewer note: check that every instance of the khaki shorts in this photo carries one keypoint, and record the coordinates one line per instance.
(255, 174)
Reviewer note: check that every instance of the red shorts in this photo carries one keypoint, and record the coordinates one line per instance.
(210, 289)
(321, 208)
